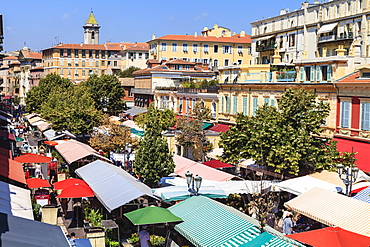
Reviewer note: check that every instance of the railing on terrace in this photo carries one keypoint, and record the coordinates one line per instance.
(212, 89)
(269, 77)
(335, 37)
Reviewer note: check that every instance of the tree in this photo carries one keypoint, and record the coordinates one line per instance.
(39, 94)
(107, 92)
(127, 73)
(110, 136)
(72, 110)
(191, 133)
(164, 119)
(286, 140)
(153, 159)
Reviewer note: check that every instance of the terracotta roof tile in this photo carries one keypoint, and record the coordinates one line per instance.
(35, 55)
(10, 57)
(233, 39)
(80, 47)
(355, 77)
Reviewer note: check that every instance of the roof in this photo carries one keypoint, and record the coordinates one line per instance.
(233, 39)
(216, 164)
(51, 135)
(354, 77)
(131, 124)
(12, 169)
(363, 195)
(105, 178)
(73, 150)
(15, 201)
(17, 231)
(220, 128)
(333, 209)
(10, 57)
(327, 176)
(30, 54)
(34, 119)
(91, 19)
(331, 236)
(182, 165)
(206, 223)
(136, 47)
(135, 111)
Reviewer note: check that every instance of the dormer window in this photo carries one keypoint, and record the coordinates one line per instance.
(365, 75)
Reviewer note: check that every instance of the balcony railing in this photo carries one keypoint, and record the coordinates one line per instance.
(265, 48)
(335, 37)
(269, 77)
(212, 89)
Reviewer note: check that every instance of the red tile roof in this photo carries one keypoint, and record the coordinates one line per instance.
(220, 128)
(232, 39)
(10, 57)
(137, 47)
(80, 46)
(354, 77)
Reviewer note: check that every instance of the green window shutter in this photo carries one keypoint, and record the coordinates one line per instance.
(228, 102)
(222, 103)
(245, 106)
(266, 101)
(301, 74)
(318, 73)
(235, 105)
(329, 72)
(312, 71)
(255, 105)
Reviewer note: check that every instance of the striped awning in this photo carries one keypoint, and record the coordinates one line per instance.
(333, 209)
(363, 195)
(208, 224)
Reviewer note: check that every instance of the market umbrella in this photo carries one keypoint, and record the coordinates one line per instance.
(37, 183)
(331, 236)
(51, 143)
(33, 158)
(76, 191)
(69, 182)
(151, 215)
(217, 164)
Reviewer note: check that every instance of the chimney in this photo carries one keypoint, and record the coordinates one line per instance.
(242, 33)
(195, 34)
(153, 36)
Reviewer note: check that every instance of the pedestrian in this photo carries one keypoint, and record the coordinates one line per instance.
(71, 239)
(288, 224)
(64, 205)
(144, 237)
(253, 210)
(38, 171)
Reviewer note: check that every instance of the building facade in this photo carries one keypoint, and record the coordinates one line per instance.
(215, 47)
(135, 55)
(91, 30)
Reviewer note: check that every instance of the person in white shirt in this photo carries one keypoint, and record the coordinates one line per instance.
(144, 237)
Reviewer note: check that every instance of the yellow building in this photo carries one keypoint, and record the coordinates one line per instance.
(216, 47)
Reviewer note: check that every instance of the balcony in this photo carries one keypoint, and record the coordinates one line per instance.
(269, 77)
(335, 37)
(141, 91)
(263, 47)
(211, 89)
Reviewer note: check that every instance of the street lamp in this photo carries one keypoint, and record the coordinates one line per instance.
(193, 181)
(104, 101)
(126, 154)
(348, 176)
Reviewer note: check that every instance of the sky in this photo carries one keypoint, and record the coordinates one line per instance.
(41, 24)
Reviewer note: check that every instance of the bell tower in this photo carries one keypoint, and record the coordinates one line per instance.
(91, 30)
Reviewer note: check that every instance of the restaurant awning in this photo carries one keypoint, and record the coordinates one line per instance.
(43, 126)
(215, 152)
(300, 185)
(217, 164)
(35, 119)
(265, 38)
(182, 165)
(33, 158)
(327, 28)
(16, 231)
(363, 195)
(105, 178)
(206, 223)
(176, 193)
(360, 148)
(333, 209)
(53, 135)
(331, 236)
(38, 123)
(135, 111)
(15, 201)
(220, 128)
(131, 124)
(11, 169)
(73, 150)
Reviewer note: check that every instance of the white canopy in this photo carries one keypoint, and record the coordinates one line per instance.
(327, 28)
(300, 185)
(15, 201)
(113, 186)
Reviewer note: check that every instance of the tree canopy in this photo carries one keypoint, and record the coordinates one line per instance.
(38, 94)
(153, 159)
(127, 73)
(107, 92)
(285, 139)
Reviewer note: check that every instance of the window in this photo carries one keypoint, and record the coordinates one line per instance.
(61, 53)
(323, 73)
(226, 62)
(83, 73)
(90, 63)
(255, 105)
(96, 54)
(146, 55)
(103, 72)
(245, 106)
(348, 8)
(292, 40)
(344, 114)
(174, 47)
(195, 60)
(102, 54)
(205, 48)
(76, 63)
(235, 105)
(240, 62)
(76, 53)
(205, 61)
(103, 63)
(249, 50)
(226, 49)
(76, 73)
(185, 47)
(195, 48)
(163, 46)
(187, 105)
(215, 49)
(193, 104)
(69, 62)
(69, 53)
(97, 64)
(61, 62)
(91, 72)
(61, 72)
(178, 67)
(240, 49)
(307, 73)
(83, 53)
(266, 101)
(115, 64)
(69, 72)
(140, 55)
(187, 67)
(215, 63)
(83, 63)
(90, 54)
(180, 105)
(365, 116)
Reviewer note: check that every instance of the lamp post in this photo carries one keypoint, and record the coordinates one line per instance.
(104, 101)
(348, 176)
(126, 154)
(193, 181)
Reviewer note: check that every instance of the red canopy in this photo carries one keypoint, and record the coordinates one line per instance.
(220, 128)
(76, 191)
(69, 182)
(51, 143)
(33, 158)
(331, 236)
(37, 183)
(12, 169)
(216, 164)
(361, 148)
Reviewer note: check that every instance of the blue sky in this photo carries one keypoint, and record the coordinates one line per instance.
(42, 23)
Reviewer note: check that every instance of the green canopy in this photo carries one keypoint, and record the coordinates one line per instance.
(18, 139)
(261, 240)
(151, 215)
